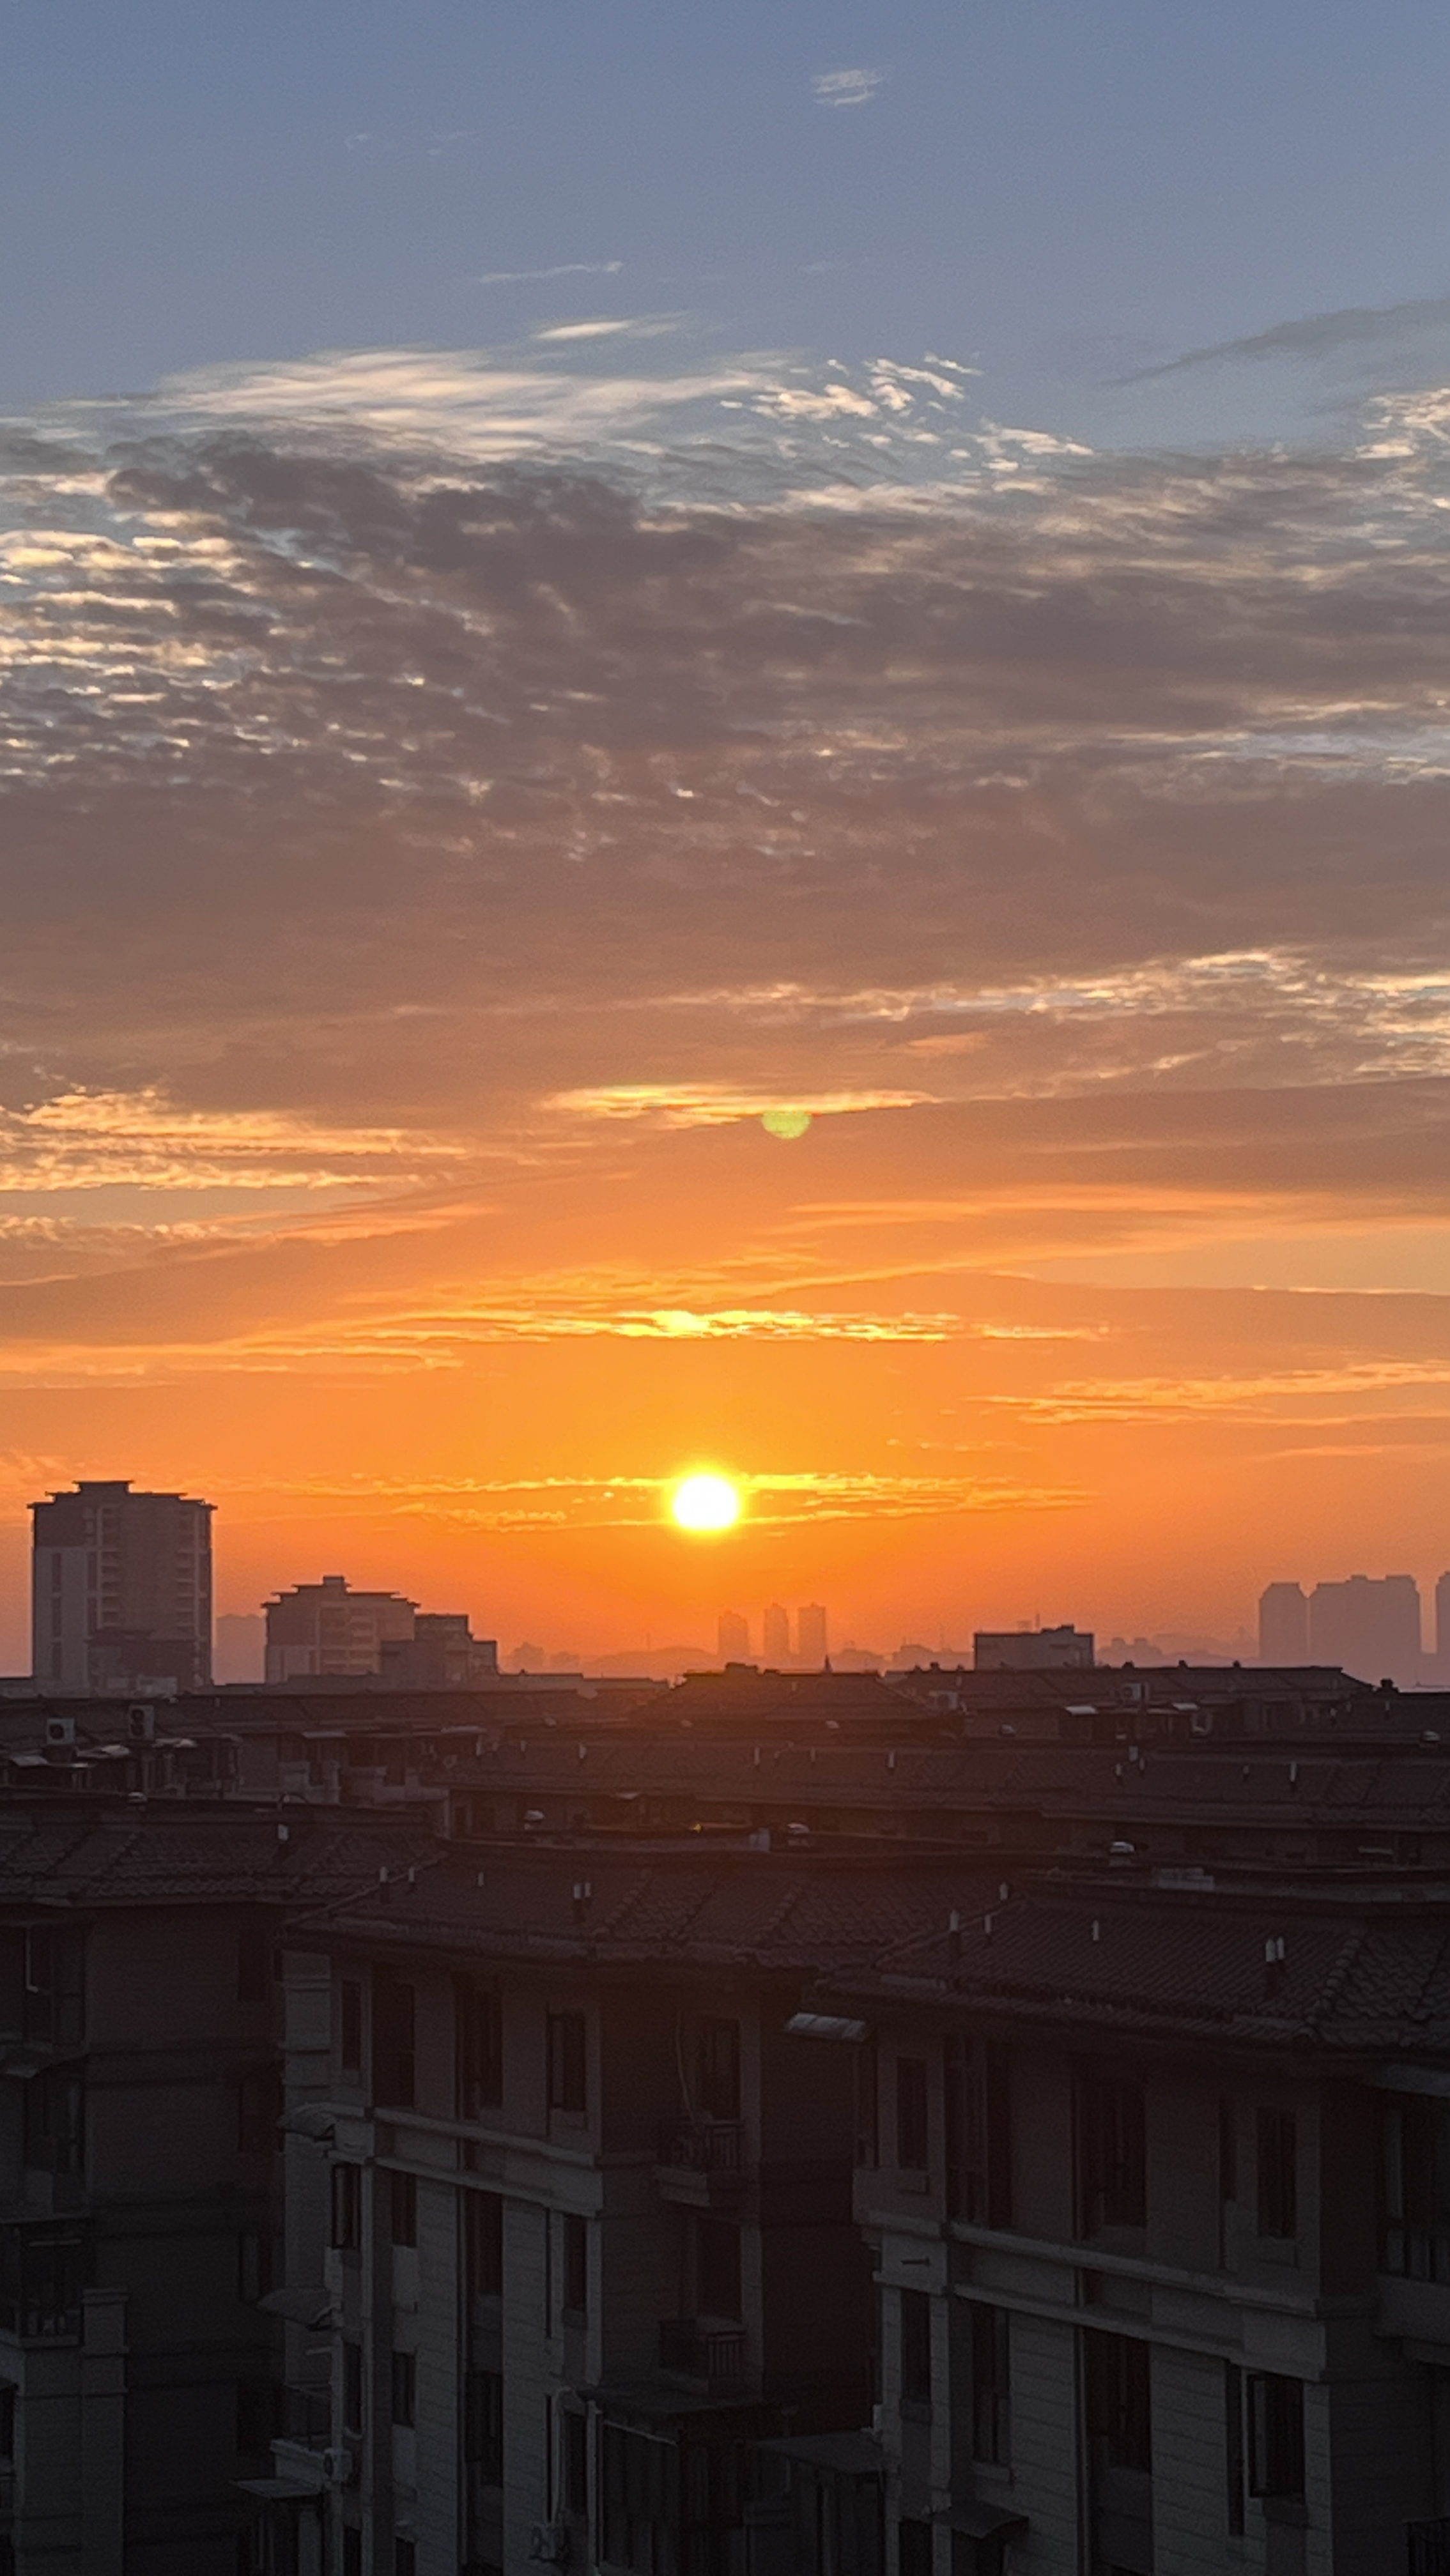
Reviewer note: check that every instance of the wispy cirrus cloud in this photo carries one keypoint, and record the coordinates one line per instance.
(541, 276)
(851, 88)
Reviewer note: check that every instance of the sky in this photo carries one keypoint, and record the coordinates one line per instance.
(576, 581)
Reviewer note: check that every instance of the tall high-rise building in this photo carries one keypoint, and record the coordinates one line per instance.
(1370, 1625)
(810, 1633)
(120, 1589)
(775, 1635)
(1284, 1624)
(732, 1636)
(1442, 1623)
(321, 1628)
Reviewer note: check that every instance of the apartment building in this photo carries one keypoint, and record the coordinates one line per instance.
(140, 2187)
(121, 1590)
(1155, 2190)
(590, 2249)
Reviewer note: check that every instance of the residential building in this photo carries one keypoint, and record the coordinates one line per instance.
(441, 1654)
(327, 1628)
(775, 1635)
(121, 1589)
(141, 2209)
(732, 1635)
(1025, 1650)
(1284, 1624)
(810, 1635)
(1369, 1625)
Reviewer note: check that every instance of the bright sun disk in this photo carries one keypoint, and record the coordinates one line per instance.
(706, 1503)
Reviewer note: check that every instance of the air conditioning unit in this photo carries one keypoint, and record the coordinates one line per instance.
(141, 1722)
(339, 2466)
(60, 1730)
(550, 2544)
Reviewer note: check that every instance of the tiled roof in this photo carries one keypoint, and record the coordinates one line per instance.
(174, 1855)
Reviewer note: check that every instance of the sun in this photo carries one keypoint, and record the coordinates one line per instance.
(703, 1504)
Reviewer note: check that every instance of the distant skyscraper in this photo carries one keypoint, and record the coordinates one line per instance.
(1283, 1624)
(1442, 1623)
(1370, 1625)
(120, 1589)
(732, 1635)
(775, 1635)
(810, 1633)
(320, 1628)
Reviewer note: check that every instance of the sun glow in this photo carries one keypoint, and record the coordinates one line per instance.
(703, 1504)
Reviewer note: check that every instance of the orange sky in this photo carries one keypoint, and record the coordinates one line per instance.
(421, 878)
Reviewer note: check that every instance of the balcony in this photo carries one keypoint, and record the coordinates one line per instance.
(42, 2270)
(711, 2357)
(700, 2164)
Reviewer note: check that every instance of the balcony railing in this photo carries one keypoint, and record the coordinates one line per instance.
(702, 2146)
(1428, 2547)
(714, 2355)
(42, 2271)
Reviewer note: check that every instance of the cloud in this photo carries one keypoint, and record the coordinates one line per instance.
(846, 88)
(539, 276)
(1356, 330)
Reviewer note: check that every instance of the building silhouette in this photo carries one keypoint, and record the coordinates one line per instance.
(732, 1634)
(1026, 1650)
(121, 1589)
(1284, 1624)
(775, 1635)
(327, 1628)
(810, 1633)
(1369, 1625)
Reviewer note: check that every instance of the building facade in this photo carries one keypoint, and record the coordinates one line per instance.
(327, 1629)
(121, 1590)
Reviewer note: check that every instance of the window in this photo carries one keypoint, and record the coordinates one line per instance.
(867, 2106)
(640, 2478)
(576, 2267)
(254, 2266)
(403, 2208)
(1415, 2187)
(352, 2387)
(978, 2134)
(404, 2389)
(567, 2087)
(718, 2069)
(478, 2047)
(258, 2110)
(1111, 2153)
(914, 2548)
(717, 2269)
(1276, 2437)
(483, 2244)
(483, 2425)
(1228, 2149)
(1119, 2420)
(346, 2233)
(351, 2552)
(911, 2114)
(54, 2117)
(8, 2394)
(574, 2462)
(53, 2009)
(1278, 2173)
(990, 2333)
(405, 2558)
(915, 2348)
(256, 2417)
(349, 2026)
(254, 1965)
(1233, 2450)
(394, 2042)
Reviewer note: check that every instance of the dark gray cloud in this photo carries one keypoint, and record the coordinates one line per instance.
(1354, 330)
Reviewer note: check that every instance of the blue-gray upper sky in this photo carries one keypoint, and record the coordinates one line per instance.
(1065, 192)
